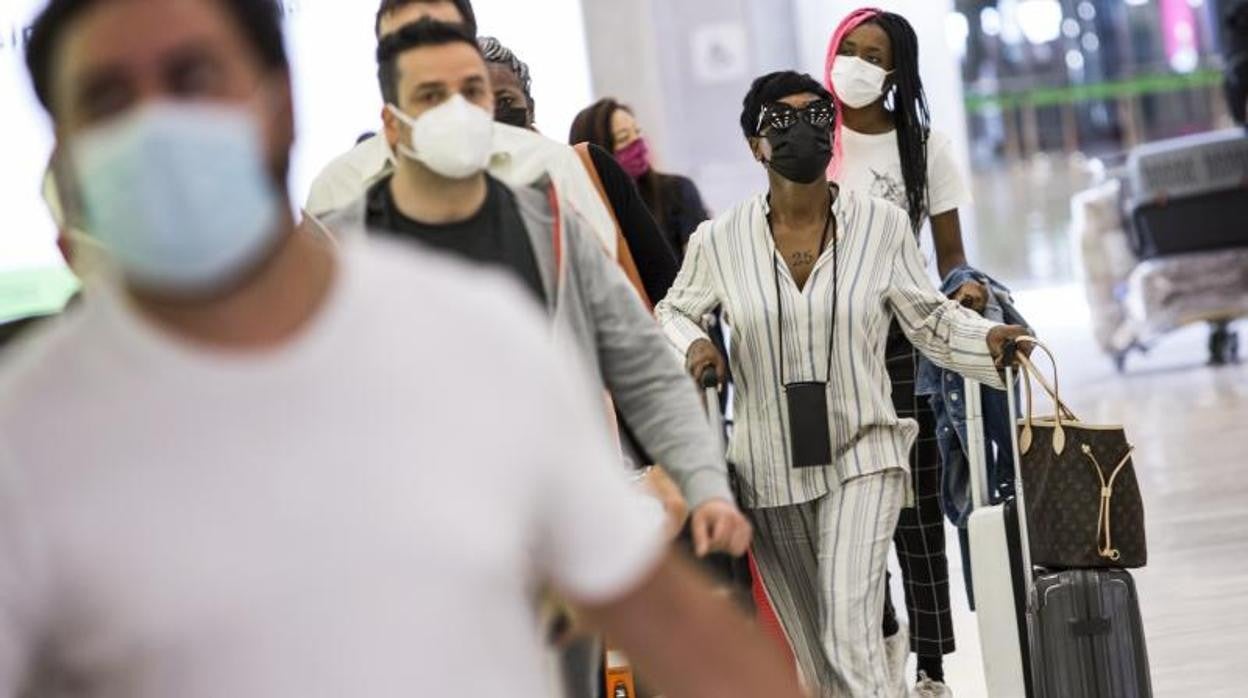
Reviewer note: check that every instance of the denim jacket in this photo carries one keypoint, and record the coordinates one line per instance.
(946, 392)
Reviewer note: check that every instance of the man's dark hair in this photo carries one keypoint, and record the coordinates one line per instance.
(774, 87)
(260, 22)
(464, 7)
(422, 34)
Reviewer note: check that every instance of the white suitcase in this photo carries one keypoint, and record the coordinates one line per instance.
(996, 563)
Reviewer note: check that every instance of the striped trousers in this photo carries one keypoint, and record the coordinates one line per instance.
(823, 564)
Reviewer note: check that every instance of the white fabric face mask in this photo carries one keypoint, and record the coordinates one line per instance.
(454, 139)
(856, 82)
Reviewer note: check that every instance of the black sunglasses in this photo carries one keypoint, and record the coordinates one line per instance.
(782, 117)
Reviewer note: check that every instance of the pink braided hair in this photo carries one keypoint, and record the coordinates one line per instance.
(856, 19)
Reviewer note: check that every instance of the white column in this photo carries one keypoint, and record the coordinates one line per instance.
(26, 139)
(625, 61)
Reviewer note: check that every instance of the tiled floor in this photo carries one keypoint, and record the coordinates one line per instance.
(1190, 425)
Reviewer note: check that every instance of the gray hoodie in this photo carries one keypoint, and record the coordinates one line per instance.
(596, 309)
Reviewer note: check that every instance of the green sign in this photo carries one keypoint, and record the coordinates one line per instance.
(1102, 91)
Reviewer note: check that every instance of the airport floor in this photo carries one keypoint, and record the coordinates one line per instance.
(1189, 423)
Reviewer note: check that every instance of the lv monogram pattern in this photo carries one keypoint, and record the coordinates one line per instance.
(1064, 500)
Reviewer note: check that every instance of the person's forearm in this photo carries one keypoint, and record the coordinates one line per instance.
(947, 238)
(658, 402)
(680, 330)
(691, 643)
(949, 262)
(951, 336)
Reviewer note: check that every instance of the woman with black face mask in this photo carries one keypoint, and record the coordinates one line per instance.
(810, 278)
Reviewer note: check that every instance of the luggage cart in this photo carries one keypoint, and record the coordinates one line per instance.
(1184, 223)
(1167, 294)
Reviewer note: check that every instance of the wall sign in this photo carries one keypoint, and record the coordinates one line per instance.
(720, 53)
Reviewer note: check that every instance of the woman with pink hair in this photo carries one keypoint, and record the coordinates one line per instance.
(885, 148)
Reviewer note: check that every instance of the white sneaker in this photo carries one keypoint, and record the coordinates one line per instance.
(897, 650)
(928, 688)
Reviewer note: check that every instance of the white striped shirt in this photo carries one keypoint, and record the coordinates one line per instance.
(732, 261)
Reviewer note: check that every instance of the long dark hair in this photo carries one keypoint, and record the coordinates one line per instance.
(911, 116)
(593, 125)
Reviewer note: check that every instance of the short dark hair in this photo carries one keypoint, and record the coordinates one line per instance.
(260, 21)
(421, 34)
(464, 7)
(772, 88)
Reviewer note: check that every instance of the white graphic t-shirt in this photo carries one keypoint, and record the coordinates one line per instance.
(872, 165)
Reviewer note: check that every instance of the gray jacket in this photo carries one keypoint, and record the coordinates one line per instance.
(595, 308)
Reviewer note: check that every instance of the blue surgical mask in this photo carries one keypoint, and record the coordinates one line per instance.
(178, 195)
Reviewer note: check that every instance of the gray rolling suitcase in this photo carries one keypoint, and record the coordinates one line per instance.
(1088, 637)
(1085, 634)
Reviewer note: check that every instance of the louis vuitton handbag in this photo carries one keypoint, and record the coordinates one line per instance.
(1084, 508)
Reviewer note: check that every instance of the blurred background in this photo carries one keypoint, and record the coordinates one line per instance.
(1036, 93)
(1044, 99)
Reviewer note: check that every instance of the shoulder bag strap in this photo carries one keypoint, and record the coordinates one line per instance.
(624, 256)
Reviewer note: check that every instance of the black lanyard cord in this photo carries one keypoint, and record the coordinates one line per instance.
(836, 282)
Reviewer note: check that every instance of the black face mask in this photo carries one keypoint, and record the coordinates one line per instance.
(801, 153)
(512, 115)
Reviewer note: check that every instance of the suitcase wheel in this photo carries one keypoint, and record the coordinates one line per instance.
(1223, 345)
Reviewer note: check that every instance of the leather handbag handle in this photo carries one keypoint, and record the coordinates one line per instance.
(1061, 411)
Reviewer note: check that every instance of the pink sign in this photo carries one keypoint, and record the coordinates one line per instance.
(1178, 26)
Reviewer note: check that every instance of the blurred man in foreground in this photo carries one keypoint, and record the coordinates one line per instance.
(250, 464)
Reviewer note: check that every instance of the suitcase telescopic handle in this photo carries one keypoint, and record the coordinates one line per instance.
(1020, 489)
(976, 446)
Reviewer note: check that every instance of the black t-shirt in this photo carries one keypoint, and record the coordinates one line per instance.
(495, 235)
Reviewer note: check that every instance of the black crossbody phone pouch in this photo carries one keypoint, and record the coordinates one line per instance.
(810, 440)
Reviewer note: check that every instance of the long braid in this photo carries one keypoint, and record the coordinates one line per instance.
(911, 115)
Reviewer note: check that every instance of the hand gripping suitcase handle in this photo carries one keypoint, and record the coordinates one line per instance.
(709, 378)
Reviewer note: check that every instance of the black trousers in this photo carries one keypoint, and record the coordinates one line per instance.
(920, 535)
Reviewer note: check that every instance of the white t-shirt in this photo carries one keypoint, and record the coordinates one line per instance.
(365, 512)
(871, 164)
